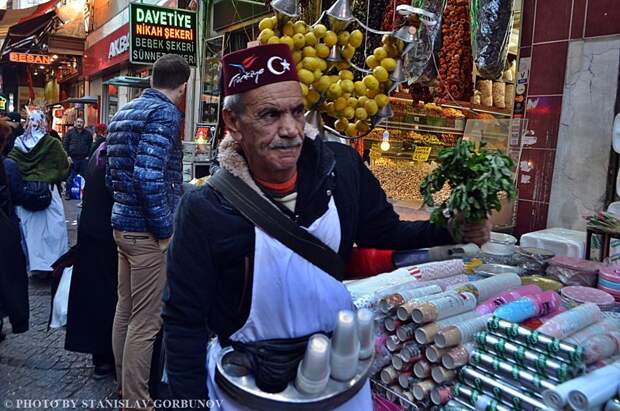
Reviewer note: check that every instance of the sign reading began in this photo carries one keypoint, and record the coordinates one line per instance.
(29, 58)
(155, 31)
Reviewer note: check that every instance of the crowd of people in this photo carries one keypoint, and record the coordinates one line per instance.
(136, 286)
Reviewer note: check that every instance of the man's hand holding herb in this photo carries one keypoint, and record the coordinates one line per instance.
(477, 233)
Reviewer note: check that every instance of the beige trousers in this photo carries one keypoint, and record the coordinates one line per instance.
(141, 280)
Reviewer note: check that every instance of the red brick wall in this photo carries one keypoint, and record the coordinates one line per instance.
(548, 26)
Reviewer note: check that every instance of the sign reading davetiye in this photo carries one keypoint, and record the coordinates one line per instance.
(155, 31)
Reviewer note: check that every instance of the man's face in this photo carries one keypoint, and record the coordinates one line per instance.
(79, 124)
(271, 129)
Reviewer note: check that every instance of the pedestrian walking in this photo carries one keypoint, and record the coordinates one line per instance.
(43, 164)
(14, 120)
(92, 295)
(13, 275)
(248, 282)
(101, 131)
(77, 144)
(145, 174)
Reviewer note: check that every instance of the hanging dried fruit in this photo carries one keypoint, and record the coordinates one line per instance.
(455, 57)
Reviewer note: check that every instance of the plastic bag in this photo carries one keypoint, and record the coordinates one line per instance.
(418, 62)
(491, 23)
(76, 188)
(573, 271)
(61, 300)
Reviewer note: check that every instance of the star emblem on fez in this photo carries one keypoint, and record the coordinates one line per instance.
(286, 65)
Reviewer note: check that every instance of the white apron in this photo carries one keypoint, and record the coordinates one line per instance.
(291, 298)
(45, 233)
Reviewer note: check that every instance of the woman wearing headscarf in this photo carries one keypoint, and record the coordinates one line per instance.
(41, 158)
(101, 130)
(93, 291)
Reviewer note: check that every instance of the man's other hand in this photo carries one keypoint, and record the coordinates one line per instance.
(477, 233)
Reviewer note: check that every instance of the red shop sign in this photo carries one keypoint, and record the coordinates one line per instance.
(107, 52)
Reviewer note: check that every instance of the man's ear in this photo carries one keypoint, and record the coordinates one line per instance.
(231, 120)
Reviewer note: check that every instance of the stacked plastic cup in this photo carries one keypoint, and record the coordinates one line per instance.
(345, 347)
(314, 370)
(366, 328)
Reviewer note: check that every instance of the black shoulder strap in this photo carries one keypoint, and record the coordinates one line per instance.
(275, 223)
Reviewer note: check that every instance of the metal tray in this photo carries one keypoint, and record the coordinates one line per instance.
(238, 383)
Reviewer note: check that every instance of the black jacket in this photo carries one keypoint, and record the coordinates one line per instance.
(15, 132)
(98, 140)
(13, 275)
(77, 143)
(210, 257)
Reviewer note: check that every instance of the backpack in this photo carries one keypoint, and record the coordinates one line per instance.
(37, 195)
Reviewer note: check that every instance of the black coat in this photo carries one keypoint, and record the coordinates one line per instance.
(13, 275)
(98, 140)
(77, 143)
(93, 292)
(209, 283)
(15, 132)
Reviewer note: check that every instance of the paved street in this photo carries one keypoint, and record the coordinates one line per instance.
(35, 365)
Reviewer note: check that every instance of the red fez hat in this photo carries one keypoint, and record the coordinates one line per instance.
(258, 66)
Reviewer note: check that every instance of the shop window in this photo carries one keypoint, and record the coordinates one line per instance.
(211, 81)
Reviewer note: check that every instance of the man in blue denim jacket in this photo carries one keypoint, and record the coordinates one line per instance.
(145, 175)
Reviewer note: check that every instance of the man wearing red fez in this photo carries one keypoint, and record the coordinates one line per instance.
(227, 276)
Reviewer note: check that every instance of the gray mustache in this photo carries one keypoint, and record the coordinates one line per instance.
(285, 145)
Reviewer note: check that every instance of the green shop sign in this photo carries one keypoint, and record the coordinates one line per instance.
(155, 31)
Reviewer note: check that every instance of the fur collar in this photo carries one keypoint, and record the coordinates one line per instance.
(229, 156)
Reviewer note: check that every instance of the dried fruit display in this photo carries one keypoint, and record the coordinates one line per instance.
(420, 92)
(392, 19)
(372, 14)
(420, 61)
(491, 24)
(359, 10)
(455, 57)
(401, 179)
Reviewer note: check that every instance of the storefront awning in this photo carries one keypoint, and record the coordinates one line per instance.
(126, 81)
(76, 100)
(12, 17)
(24, 29)
(81, 100)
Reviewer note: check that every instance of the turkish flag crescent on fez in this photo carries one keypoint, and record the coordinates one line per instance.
(258, 66)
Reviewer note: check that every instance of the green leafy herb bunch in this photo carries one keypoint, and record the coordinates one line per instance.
(476, 179)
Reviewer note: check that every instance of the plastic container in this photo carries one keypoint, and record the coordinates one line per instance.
(560, 241)
(501, 238)
(497, 253)
(573, 271)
